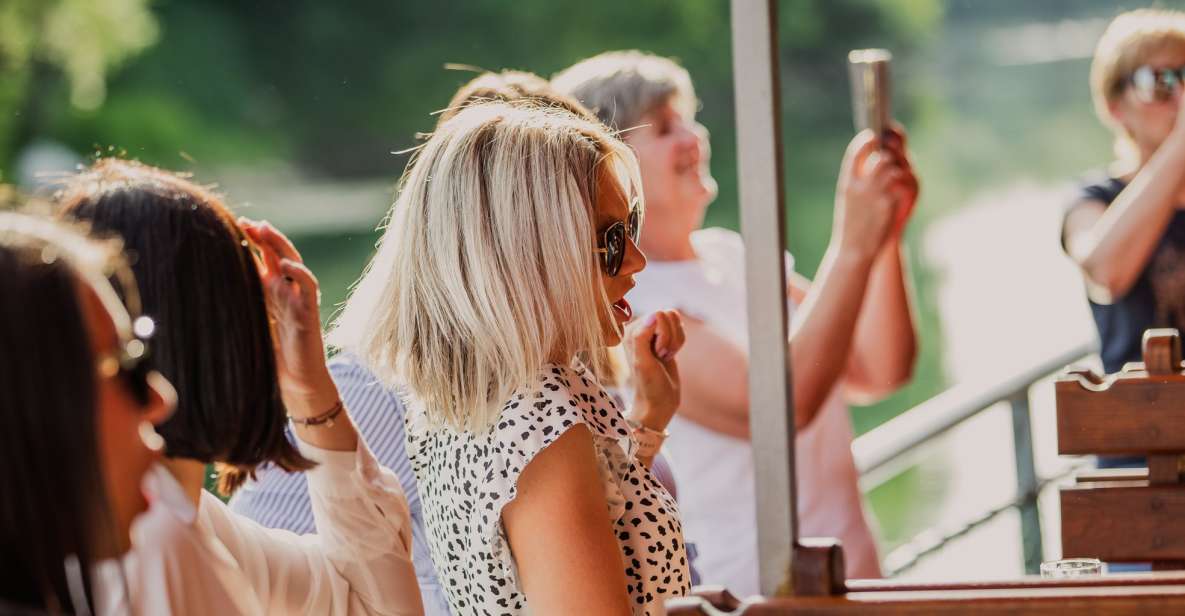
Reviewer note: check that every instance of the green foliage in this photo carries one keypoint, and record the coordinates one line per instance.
(80, 40)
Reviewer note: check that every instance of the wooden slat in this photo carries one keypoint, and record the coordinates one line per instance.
(1106, 596)
(1104, 475)
(1162, 351)
(1140, 410)
(1123, 521)
(1164, 469)
(1133, 414)
(771, 405)
(1106, 601)
(1174, 578)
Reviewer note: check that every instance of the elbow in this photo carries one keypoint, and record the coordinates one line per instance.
(878, 388)
(1104, 284)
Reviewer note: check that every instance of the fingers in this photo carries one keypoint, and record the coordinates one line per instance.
(271, 261)
(678, 337)
(264, 234)
(659, 336)
(640, 337)
(668, 334)
(303, 278)
(859, 149)
(662, 335)
(885, 181)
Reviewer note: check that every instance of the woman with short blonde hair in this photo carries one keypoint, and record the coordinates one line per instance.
(506, 260)
(1125, 227)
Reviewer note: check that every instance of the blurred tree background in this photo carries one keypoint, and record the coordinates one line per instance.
(333, 89)
(297, 108)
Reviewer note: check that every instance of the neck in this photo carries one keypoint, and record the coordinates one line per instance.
(190, 473)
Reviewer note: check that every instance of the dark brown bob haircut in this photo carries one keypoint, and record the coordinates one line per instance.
(199, 281)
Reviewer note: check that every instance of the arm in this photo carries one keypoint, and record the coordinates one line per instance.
(560, 535)
(1112, 245)
(885, 342)
(651, 347)
(716, 370)
(357, 563)
(359, 560)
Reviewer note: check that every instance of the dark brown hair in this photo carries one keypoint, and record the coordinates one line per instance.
(53, 507)
(199, 280)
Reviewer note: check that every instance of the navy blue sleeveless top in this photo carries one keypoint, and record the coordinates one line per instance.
(1156, 300)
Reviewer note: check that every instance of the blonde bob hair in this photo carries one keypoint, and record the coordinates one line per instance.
(1129, 40)
(487, 271)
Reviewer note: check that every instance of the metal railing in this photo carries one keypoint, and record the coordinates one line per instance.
(894, 446)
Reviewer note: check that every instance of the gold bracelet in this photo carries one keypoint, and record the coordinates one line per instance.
(325, 419)
(649, 440)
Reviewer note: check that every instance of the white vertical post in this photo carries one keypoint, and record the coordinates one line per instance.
(771, 404)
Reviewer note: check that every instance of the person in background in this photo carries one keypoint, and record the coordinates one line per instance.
(852, 334)
(502, 272)
(78, 400)
(1125, 228)
(238, 333)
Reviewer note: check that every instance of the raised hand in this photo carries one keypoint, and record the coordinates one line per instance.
(866, 207)
(651, 346)
(293, 298)
(905, 191)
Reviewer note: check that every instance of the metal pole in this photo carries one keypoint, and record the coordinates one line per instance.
(1026, 480)
(771, 405)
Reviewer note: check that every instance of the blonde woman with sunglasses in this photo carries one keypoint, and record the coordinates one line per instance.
(1126, 228)
(504, 267)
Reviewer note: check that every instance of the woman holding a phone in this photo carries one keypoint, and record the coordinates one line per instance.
(852, 335)
(1126, 227)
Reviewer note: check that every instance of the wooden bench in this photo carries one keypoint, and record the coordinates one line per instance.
(1127, 515)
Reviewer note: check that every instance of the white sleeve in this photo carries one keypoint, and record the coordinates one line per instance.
(358, 562)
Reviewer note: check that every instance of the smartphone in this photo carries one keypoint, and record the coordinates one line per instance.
(871, 94)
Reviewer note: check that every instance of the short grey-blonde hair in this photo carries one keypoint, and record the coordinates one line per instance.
(623, 86)
(1127, 43)
(487, 271)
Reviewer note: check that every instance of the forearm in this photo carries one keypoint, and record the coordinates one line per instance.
(885, 342)
(336, 434)
(715, 381)
(362, 548)
(821, 339)
(1119, 245)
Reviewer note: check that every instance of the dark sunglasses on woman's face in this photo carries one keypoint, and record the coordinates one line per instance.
(1157, 84)
(611, 245)
(131, 361)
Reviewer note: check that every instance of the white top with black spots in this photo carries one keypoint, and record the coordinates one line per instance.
(466, 479)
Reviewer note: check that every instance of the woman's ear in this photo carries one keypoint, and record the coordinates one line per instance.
(1117, 110)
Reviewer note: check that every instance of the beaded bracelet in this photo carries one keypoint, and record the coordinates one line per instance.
(325, 418)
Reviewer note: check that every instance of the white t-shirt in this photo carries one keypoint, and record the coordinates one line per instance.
(714, 471)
